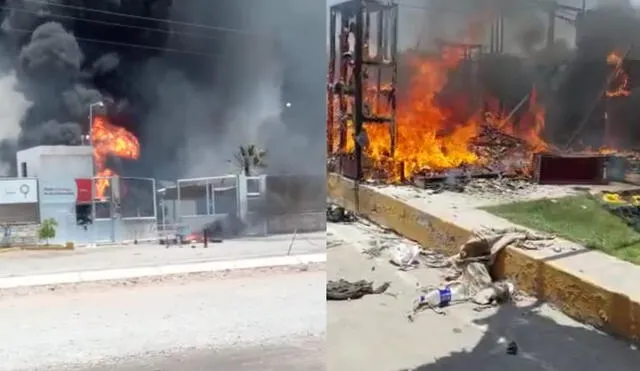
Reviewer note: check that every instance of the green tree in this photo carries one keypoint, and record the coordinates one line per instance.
(249, 158)
(47, 230)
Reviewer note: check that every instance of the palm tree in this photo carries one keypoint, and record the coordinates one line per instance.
(249, 158)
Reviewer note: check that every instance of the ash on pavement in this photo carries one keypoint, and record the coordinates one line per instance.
(373, 333)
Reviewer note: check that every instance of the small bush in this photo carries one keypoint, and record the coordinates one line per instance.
(47, 230)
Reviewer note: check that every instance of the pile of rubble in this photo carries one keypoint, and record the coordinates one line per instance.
(338, 214)
(494, 144)
(503, 186)
(467, 277)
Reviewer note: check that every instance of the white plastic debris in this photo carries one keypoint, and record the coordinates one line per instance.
(404, 255)
(498, 292)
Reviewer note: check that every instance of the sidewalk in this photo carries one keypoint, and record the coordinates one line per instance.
(28, 263)
(128, 273)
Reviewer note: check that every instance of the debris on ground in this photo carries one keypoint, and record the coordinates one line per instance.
(405, 255)
(346, 290)
(434, 298)
(468, 274)
(507, 186)
(338, 214)
(625, 206)
(374, 251)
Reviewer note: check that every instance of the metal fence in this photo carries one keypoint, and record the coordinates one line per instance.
(202, 201)
(258, 204)
(138, 198)
(126, 198)
(126, 211)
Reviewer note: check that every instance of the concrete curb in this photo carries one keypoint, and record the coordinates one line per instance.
(576, 295)
(128, 273)
(6, 250)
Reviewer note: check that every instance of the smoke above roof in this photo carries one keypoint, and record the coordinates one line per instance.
(192, 79)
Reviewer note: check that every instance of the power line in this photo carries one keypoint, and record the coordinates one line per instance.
(135, 46)
(144, 18)
(115, 24)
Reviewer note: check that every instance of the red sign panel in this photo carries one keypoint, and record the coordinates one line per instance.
(83, 190)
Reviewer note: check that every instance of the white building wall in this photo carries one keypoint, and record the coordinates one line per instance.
(56, 168)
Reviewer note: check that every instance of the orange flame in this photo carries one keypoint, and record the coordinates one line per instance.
(431, 137)
(620, 82)
(110, 140)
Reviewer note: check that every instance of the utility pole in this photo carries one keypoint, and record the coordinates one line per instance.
(551, 30)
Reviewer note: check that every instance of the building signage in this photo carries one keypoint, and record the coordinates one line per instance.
(18, 191)
(57, 192)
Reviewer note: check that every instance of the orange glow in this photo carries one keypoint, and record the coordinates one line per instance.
(619, 86)
(110, 140)
(434, 138)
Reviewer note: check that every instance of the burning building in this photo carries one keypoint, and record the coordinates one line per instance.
(179, 77)
(87, 209)
(472, 104)
(183, 85)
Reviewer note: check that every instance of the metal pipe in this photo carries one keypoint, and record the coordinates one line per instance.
(178, 204)
(551, 31)
(381, 46)
(208, 196)
(112, 209)
(357, 72)
(343, 78)
(507, 119)
(93, 158)
(393, 17)
(492, 36)
(331, 82)
(501, 33)
(155, 199)
(367, 35)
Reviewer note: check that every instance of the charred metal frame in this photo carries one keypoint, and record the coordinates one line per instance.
(496, 35)
(352, 70)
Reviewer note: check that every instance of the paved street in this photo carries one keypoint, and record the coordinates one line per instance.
(374, 334)
(306, 354)
(268, 320)
(47, 262)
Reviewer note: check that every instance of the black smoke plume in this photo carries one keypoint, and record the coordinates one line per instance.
(191, 93)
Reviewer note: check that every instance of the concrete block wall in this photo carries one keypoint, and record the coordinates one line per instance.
(19, 235)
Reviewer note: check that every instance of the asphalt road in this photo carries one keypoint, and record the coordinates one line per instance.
(250, 322)
(374, 334)
(114, 257)
(306, 354)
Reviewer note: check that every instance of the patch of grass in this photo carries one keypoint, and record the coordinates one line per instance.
(579, 219)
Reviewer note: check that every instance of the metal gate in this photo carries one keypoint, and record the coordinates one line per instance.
(256, 214)
(227, 202)
(204, 201)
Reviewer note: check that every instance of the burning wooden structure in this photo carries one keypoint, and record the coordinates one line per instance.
(468, 107)
(362, 61)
